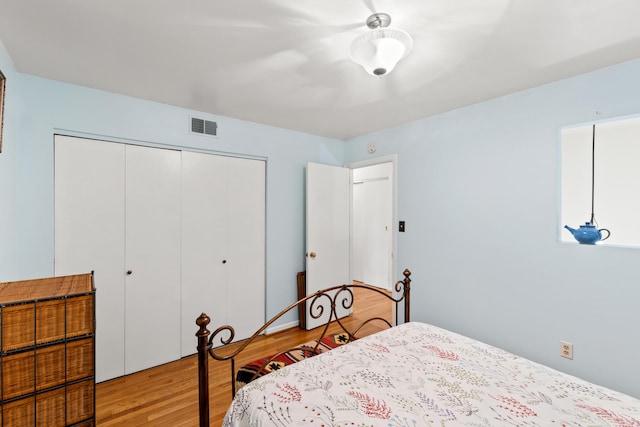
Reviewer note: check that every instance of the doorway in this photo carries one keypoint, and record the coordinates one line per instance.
(334, 251)
(373, 214)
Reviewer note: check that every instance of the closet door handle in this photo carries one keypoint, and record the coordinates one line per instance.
(224, 261)
(129, 272)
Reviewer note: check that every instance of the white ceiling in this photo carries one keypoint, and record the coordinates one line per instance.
(285, 62)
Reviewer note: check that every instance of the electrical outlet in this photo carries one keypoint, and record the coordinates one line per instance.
(566, 350)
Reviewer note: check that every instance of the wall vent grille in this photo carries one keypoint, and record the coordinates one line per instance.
(204, 127)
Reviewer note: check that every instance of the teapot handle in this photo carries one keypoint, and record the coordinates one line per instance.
(608, 233)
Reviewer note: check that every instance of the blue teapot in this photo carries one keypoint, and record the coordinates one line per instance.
(588, 234)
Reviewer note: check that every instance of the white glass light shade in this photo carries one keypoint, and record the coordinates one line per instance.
(379, 51)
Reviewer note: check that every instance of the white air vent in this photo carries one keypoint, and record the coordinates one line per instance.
(204, 127)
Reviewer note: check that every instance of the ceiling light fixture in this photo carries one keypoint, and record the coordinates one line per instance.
(379, 51)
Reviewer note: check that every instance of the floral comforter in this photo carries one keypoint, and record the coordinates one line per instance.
(420, 375)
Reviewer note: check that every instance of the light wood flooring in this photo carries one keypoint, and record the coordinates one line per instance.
(168, 395)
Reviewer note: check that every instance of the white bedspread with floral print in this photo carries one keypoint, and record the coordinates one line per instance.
(420, 375)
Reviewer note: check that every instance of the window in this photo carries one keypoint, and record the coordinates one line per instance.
(616, 177)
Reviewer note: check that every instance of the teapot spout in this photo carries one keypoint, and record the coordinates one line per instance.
(572, 230)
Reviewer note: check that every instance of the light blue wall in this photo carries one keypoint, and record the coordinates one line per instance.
(8, 170)
(478, 189)
(47, 106)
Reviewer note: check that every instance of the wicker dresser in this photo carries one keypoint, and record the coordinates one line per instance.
(47, 357)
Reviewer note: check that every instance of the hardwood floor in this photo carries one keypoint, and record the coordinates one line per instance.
(167, 395)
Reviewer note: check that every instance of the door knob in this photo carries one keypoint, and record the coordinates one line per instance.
(224, 261)
(129, 272)
(312, 254)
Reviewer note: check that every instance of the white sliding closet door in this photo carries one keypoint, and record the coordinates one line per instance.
(153, 257)
(169, 235)
(203, 254)
(246, 245)
(89, 235)
(223, 241)
(117, 209)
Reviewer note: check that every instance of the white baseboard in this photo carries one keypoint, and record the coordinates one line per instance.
(274, 329)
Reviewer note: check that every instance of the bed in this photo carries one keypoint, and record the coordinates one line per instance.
(331, 307)
(416, 374)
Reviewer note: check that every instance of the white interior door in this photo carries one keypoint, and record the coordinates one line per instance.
(328, 219)
(153, 257)
(89, 235)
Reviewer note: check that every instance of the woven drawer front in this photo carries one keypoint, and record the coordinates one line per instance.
(80, 316)
(49, 321)
(79, 359)
(47, 358)
(50, 408)
(18, 323)
(80, 401)
(19, 412)
(18, 374)
(50, 367)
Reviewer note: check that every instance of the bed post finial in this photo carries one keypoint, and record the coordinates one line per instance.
(203, 367)
(407, 293)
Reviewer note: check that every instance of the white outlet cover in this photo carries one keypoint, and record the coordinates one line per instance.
(372, 148)
(566, 350)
